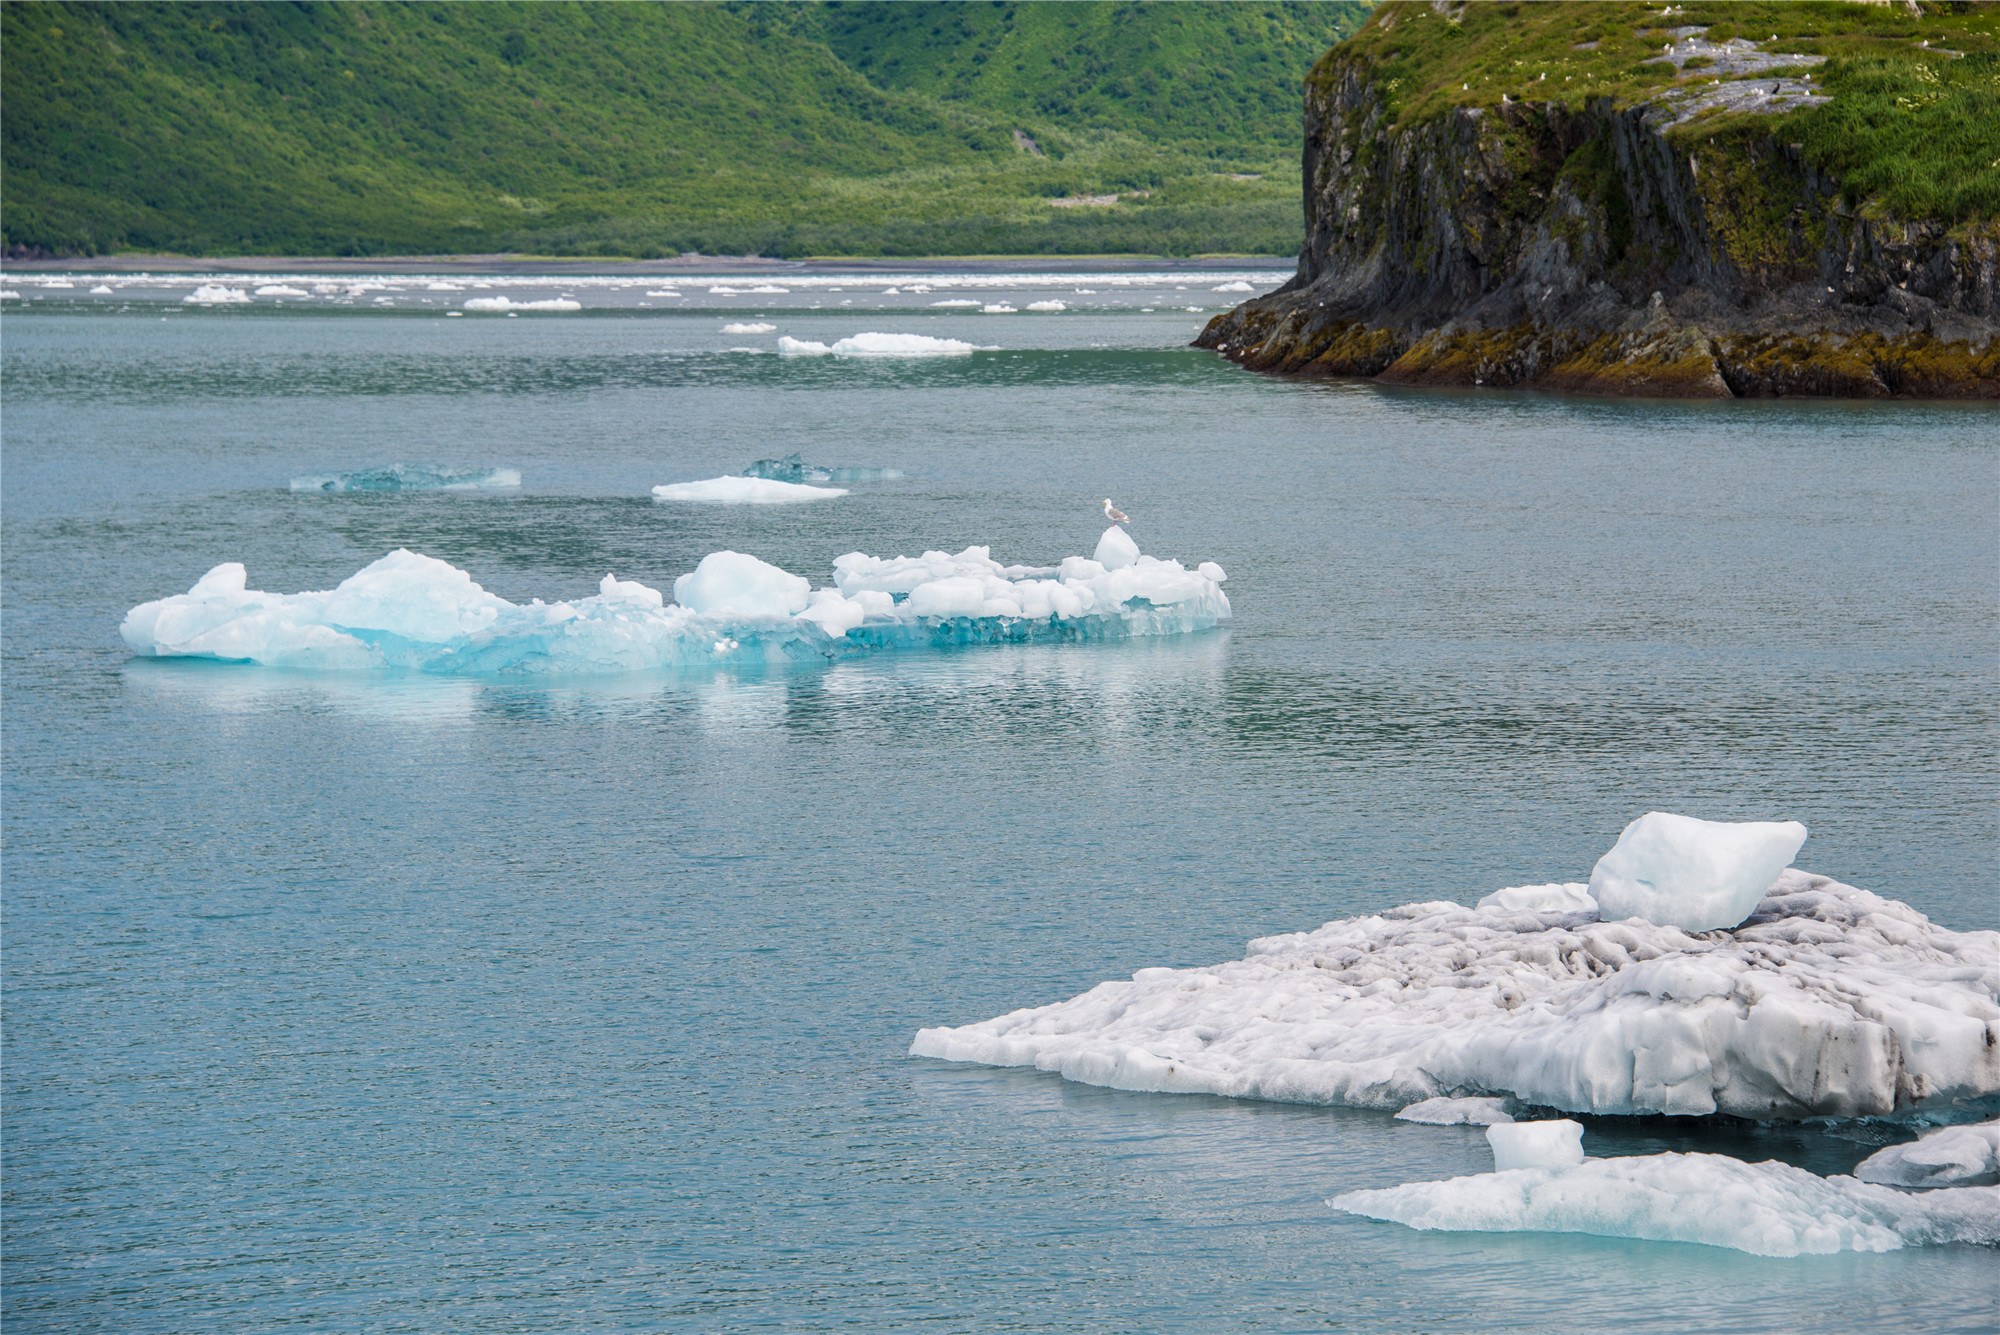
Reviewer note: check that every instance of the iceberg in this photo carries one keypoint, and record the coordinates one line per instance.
(792, 468)
(1829, 1002)
(403, 477)
(1956, 1156)
(745, 491)
(1697, 875)
(415, 612)
(878, 345)
(1766, 1209)
(509, 305)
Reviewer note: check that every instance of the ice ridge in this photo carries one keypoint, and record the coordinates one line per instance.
(1828, 1002)
(403, 477)
(1767, 1209)
(416, 612)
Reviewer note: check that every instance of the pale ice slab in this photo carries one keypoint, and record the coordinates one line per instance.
(1561, 897)
(510, 305)
(1047, 306)
(281, 290)
(1830, 1001)
(405, 477)
(1954, 1156)
(1694, 874)
(1459, 1112)
(215, 294)
(1535, 1144)
(879, 345)
(412, 611)
(745, 491)
(1767, 1209)
(1116, 550)
(754, 327)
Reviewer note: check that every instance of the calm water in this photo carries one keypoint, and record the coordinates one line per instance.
(382, 1003)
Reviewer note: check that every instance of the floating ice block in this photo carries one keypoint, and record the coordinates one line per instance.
(1696, 875)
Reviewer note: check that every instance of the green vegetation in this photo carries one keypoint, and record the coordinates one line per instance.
(1913, 128)
(649, 129)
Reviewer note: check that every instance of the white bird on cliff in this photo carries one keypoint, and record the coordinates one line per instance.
(1114, 514)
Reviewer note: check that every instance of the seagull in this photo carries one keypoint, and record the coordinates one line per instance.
(1114, 514)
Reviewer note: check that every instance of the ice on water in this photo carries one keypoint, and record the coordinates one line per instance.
(1768, 1209)
(1954, 1156)
(405, 477)
(792, 468)
(1557, 1144)
(745, 491)
(508, 304)
(879, 345)
(413, 611)
(1459, 1112)
(1829, 1002)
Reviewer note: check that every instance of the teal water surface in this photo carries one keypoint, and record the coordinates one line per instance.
(379, 1002)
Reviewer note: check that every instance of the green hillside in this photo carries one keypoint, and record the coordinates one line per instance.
(651, 129)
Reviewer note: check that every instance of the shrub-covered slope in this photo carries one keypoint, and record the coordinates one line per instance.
(1706, 199)
(642, 129)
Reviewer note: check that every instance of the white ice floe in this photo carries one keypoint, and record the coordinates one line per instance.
(1955, 1156)
(412, 611)
(8, 294)
(1047, 306)
(1459, 1112)
(879, 345)
(403, 477)
(664, 292)
(282, 290)
(442, 287)
(1238, 286)
(214, 294)
(1535, 1144)
(1697, 875)
(998, 308)
(1767, 1209)
(958, 303)
(745, 491)
(102, 290)
(511, 306)
(1829, 1001)
(761, 290)
(757, 327)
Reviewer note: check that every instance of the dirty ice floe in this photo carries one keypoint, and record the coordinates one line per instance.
(1954, 1156)
(792, 468)
(403, 477)
(1767, 1209)
(879, 345)
(1828, 1002)
(509, 305)
(745, 491)
(413, 611)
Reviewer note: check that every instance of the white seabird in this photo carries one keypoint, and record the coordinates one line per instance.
(1114, 514)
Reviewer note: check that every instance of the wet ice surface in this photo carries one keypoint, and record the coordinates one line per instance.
(360, 1000)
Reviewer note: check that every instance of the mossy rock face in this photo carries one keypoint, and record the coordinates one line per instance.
(1602, 243)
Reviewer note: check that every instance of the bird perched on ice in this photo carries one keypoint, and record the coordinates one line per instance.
(1114, 514)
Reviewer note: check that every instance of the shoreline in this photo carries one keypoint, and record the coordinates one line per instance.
(556, 266)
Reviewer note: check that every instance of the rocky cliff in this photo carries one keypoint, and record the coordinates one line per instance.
(1671, 244)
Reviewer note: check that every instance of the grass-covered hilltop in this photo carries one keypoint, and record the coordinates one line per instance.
(651, 129)
(1699, 199)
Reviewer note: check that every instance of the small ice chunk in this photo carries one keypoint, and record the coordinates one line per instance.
(215, 294)
(1459, 1112)
(833, 613)
(101, 290)
(1210, 570)
(281, 290)
(1955, 1156)
(1559, 897)
(1697, 875)
(879, 345)
(1116, 550)
(957, 305)
(745, 491)
(738, 584)
(511, 306)
(1047, 306)
(1766, 1209)
(1238, 286)
(754, 327)
(1535, 1144)
(997, 308)
(615, 590)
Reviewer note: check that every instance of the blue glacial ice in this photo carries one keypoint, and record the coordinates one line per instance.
(794, 469)
(415, 612)
(404, 477)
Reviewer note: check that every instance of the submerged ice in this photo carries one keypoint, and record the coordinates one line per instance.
(403, 477)
(793, 468)
(413, 611)
(1828, 1002)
